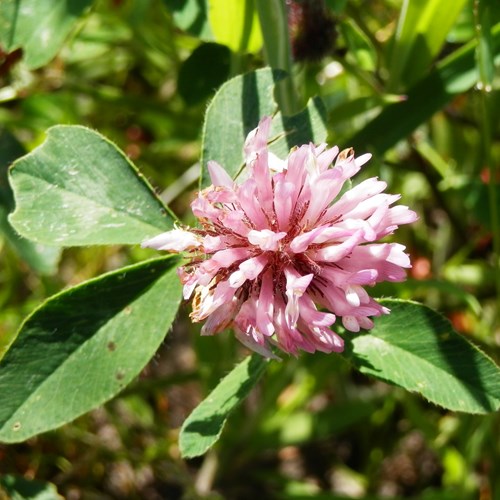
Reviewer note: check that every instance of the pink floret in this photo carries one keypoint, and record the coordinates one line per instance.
(279, 256)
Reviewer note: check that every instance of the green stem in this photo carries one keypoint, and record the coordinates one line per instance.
(274, 24)
(238, 57)
(235, 64)
(482, 12)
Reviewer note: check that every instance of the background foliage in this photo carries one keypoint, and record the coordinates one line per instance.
(413, 82)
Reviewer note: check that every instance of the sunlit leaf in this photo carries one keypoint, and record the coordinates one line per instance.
(204, 426)
(453, 75)
(235, 24)
(84, 345)
(417, 349)
(78, 188)
(39, 27)
(420, 34)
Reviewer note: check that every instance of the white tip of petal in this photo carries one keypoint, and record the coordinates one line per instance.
(312, 164)
(361, 160)
(237, 279)
(265, 239)
(176, 240)
(398, 256)
(276, 164)
(352, 297)
(256, 139)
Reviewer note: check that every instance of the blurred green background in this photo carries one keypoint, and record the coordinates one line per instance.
(415, 83)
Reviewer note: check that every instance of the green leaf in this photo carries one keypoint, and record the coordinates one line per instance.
(235, 24)
(203, 71)
(204, 426)
(417, 349)
(39, 27)
(237, 109)
(191, 16)
(41, 258)
(420, 34)
(84, 345)
(453, 75)
(19, 488)
(78, 188)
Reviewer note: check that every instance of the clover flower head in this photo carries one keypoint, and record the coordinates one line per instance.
(279, 256)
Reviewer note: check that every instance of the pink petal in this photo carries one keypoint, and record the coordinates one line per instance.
(350, 323)
(265, 306)
(320, 234)
(203, 209)
(256, 140)
(218, 175)
(248, 341)
(247, 196)
(210, 301)
(296, 285)
(248, 270)
(352, 198)
(236, 221)
(334, 253)
(284, 194)
(310, 314)
(221, 318)
(401, 215)
(326, 158)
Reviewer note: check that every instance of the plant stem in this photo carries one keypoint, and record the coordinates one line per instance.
(274, 24)
(484, 54)
(206, 474)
